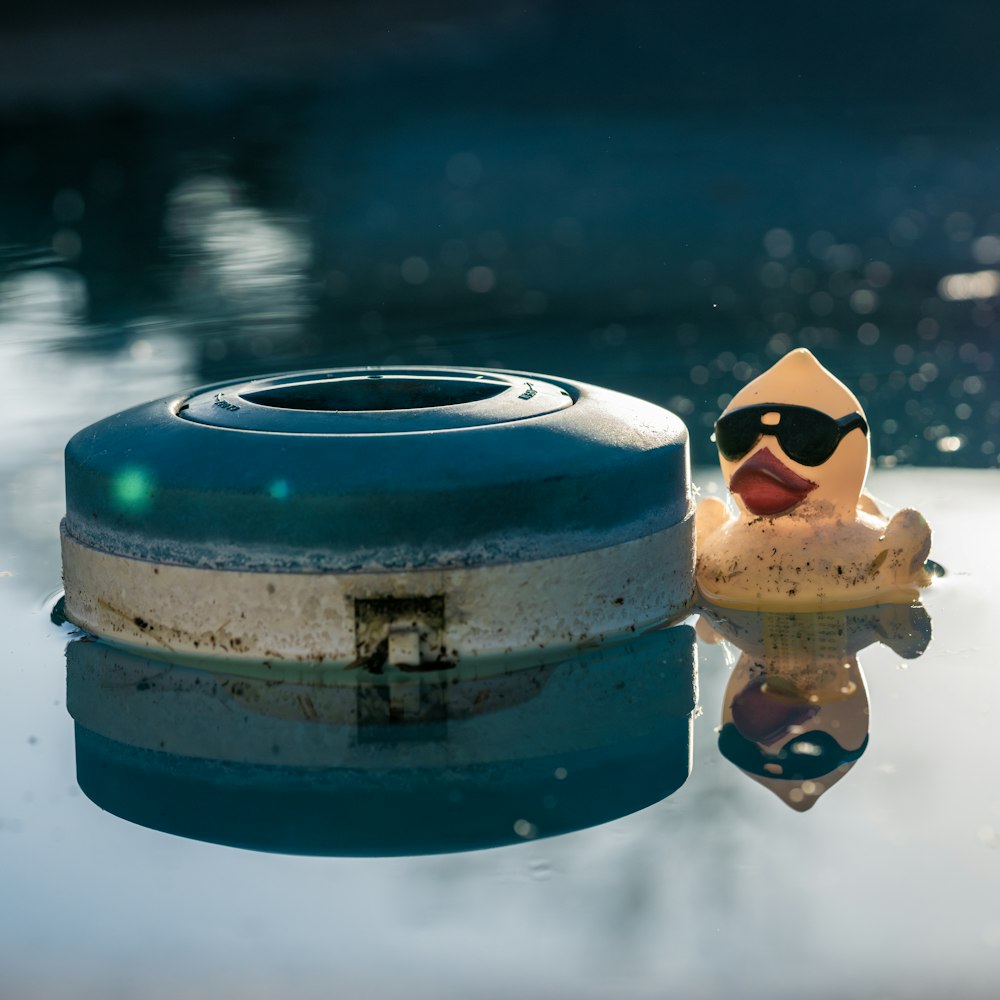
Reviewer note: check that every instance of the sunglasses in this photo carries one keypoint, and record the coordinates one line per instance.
(806, 436)
(802, 758)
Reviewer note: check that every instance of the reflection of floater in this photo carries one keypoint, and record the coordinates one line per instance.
(384, 518)
(409, 766)
(793, 445)
(795, 713)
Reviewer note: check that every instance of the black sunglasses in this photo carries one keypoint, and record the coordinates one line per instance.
(802, 758)
(806, 436)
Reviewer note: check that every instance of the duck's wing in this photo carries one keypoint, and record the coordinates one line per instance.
(709, 516)
(867, 504)
(910, 534)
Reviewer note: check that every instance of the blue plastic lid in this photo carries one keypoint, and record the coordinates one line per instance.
(350, 469)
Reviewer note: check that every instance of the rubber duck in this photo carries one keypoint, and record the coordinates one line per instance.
(795, 713)
(805, 536)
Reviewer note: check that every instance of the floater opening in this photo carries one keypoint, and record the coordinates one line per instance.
(378, 392)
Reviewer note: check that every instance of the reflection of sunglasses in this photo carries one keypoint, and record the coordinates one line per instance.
(806, 436)
(802, 758)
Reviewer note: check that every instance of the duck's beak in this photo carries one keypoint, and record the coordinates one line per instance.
(767, 486)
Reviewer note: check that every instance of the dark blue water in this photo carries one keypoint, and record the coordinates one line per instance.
(667, 200)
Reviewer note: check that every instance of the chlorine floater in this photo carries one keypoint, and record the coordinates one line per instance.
(378, 517)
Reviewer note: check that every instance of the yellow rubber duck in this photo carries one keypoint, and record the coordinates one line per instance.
(794, 450)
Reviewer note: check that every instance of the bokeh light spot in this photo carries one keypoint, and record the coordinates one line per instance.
(132, 489)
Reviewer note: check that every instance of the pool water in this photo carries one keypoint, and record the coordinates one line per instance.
(664, 203)
(884, 887)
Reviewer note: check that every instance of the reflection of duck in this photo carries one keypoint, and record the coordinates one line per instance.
(795, 712)
(793, 446)
(405, 765)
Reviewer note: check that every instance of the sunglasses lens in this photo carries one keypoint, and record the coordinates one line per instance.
(808, 436)
(736, 433)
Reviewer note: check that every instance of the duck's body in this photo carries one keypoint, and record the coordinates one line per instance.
(807, 561)
(804, 535)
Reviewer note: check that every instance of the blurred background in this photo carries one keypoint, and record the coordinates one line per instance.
(662, 198)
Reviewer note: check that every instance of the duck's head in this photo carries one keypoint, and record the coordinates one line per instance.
(795, 433)
(795, 737)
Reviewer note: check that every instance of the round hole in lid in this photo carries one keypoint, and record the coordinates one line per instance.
(377, 392)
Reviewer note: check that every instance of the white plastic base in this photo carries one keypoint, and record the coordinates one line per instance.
(291, 624)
